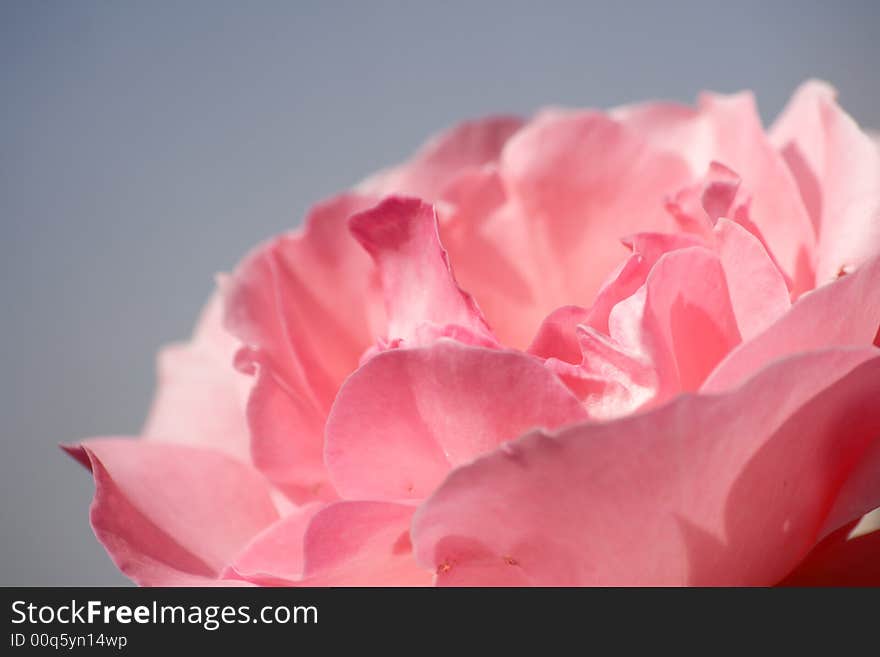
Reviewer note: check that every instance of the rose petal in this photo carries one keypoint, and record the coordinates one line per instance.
(837, 167)
(362, 544)
(438, 163)
(277, 553)
(419, 286)
(200, 397)
(573, 201)
(403, 419)
(758, 293)
(683, 320)
(556, 337)
(695, 492)
(840, 561)
(309, 302)
(728, 129)
(647, 248)
(860, 492)
(482, 234)
(663, 339)
(287, 438)
(843, 313)
(166, 513)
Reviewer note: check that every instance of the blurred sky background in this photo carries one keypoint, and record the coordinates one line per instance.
(145, 146)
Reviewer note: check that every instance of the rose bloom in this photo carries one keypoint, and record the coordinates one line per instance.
(634, 347)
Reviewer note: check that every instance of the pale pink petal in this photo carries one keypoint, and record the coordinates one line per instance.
(200, 396)
(647, 248)
(407, 416)
(556, 337)
(840, 561)
(439, 162)
(837, 167)
(674, 128)
(722, 192)
(475, 563)
(483, 235)
(727, 129)
(362, 544)
(776, 206)
(580, 181)
(354, 543)
(287, 438)
(758, 292)
(724, 490)
(698, 208)
(613, 379)
(166, 513)
(683, 321)
(277, 553)
(309, 303)
(419, 286)
(843, 313)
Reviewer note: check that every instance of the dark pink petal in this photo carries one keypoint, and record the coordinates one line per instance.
(419, 286)
(200, 396)
(843, 313)
(840, 561)
(438, 163)
(695, 492)
(169, 514)
(837, 168)
(407, 416)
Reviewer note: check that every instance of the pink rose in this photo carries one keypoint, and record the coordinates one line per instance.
(591, 348)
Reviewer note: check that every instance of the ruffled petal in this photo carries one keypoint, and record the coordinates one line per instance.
(683, 321)
(727, 129)
(557, 337)
(422, 296)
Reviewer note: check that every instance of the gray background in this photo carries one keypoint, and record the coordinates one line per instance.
(145, 146)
